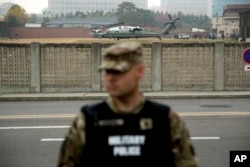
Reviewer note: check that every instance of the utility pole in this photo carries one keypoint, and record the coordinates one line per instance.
(217, 25)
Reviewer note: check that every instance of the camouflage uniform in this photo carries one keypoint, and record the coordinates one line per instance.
(71, 148)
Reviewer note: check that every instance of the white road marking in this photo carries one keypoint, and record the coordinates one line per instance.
(183, 114)
(53, 139)
(205, 138)
(215, 113)
(39, 116)
(64, 126)
(33, 127)
(192, 138)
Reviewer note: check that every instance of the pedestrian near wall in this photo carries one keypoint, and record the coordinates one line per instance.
(126, 128)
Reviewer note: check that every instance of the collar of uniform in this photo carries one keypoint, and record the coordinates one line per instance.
(137, 109)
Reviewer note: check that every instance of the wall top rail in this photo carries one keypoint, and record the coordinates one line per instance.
(105, 43)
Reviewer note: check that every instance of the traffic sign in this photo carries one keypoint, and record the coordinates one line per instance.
(246, 55)
(247, 67)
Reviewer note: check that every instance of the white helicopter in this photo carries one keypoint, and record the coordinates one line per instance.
(126, 32)
(117, 29)
(124, 29)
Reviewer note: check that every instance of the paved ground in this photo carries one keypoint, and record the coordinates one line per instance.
(92, 96)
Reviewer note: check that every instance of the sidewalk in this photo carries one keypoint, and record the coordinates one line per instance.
(98, 96)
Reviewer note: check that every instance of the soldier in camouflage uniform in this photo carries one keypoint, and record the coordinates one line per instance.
(126, 128)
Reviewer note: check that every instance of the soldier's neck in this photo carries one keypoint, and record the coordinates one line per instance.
(128, 104)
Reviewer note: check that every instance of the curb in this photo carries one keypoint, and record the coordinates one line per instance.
(101, 96)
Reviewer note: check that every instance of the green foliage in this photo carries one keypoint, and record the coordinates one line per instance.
(45, 20)
(127, 12)
(80, 14)
(33, 18)
(188, 22)
(16, 16)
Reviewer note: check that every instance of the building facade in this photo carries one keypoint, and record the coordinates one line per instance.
(194, 7)
(245, 25)
(219, 4)
(228, 24)
(58, 7)
(4, 8)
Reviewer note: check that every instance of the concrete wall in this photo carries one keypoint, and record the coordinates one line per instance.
(40, 68)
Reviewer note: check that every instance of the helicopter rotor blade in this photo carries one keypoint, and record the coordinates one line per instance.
(170, 17)
(172, 22)
(176, 19)
(111, 25)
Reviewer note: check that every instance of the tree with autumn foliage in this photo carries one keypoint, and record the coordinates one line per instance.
(16, 16)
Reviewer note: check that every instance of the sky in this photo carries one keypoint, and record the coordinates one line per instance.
(36, 6)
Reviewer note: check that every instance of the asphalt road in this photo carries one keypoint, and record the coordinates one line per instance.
(31, 131)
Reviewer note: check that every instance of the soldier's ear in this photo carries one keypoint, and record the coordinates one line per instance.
(140, 70)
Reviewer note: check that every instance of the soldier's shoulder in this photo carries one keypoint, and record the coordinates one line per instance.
(158, 105)
(93, 107)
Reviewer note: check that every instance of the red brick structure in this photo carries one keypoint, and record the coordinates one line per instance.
(49, 32)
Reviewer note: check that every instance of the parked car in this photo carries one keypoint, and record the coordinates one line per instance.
(183, 35)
